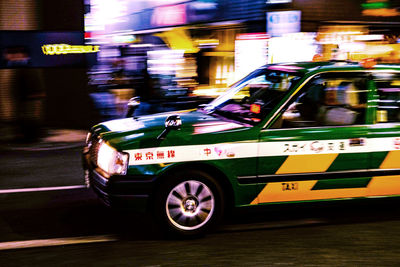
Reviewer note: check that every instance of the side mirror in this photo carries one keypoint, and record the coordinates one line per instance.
(173, 122)
(133, 104)
(134, 101)
(274, 78)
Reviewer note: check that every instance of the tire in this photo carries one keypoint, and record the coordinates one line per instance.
(189, 204)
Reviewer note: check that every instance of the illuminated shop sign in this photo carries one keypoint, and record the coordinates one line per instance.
(282, 22)
(169, 15)
(380, 8)
(190, 12)
(43, 47)
(251, 52)
(63, 49)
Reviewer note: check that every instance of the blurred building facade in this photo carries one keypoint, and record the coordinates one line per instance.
(15, 15)
(207, 31)
(65, 102)
(184, 46)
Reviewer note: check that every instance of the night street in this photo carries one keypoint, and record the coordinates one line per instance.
(78, 229)
(200, 133)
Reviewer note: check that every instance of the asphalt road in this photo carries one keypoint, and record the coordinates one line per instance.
(69, 226)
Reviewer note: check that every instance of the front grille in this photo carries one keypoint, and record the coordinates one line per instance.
(94, 148)
(99, 189)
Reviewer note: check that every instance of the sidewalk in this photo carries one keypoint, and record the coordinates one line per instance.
(55, 139)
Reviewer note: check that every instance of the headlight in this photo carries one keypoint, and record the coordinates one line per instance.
(88, 136)
(112, 161)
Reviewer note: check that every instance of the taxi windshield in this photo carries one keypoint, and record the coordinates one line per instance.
(252, 98)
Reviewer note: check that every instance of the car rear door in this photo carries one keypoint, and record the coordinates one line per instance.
(315, 147)
(385, 135)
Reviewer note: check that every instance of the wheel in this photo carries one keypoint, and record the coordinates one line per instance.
(189, 203)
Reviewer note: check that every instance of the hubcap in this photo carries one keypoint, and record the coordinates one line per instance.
(190, 205)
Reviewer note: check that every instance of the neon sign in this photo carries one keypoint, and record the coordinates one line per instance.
(169, 15)
(63, 49)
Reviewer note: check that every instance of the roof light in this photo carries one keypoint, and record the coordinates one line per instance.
(368, 63)
(317, 58)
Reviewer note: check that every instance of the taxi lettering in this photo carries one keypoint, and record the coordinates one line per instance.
(315, 147)
(294, 148)
(290, 186)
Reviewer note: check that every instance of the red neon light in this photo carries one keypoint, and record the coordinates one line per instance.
(252, 36)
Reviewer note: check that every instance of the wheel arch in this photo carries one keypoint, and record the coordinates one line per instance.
(209, 169)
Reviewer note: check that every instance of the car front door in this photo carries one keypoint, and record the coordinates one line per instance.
(315, 147)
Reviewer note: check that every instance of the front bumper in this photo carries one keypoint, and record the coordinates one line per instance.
(119, 191)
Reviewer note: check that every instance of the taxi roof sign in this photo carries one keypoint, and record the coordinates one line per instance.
(368, 63)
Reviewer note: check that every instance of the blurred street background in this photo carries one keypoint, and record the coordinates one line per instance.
(77, 63)
(67, 65)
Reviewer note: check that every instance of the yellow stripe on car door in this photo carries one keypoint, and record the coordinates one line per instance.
(391, 161)
(307, 163)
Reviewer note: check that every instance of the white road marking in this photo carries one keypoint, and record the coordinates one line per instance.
(56, 242)
(37, 189)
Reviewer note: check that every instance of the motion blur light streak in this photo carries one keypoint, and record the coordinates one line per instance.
(39, 189)
(55, 242)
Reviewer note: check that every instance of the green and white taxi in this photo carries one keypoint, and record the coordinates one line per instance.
(286, 133)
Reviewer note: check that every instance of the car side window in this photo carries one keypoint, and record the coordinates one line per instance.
(327, 101)
(388, 90)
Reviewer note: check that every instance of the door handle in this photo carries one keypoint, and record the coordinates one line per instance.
(357, 141)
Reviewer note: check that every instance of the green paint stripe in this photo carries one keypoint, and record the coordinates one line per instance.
(349, 161)
(377, 158)
(271, 164)
(352, 199)
(342, 183)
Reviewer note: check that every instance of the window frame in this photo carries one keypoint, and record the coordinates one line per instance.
(375, 98)
(300, 89)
